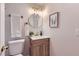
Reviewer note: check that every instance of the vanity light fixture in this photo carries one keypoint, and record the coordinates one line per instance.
(37, 8)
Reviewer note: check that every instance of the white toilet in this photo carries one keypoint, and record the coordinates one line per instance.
(16, 47)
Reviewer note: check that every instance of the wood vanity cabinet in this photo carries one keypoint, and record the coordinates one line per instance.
(40, 47)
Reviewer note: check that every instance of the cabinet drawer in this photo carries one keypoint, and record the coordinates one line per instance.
(40, 41)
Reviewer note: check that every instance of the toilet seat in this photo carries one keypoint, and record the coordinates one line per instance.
(18, 55)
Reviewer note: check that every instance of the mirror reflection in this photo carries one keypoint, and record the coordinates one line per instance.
(35, 23)
(35, 20)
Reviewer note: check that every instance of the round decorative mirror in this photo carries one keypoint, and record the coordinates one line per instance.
(35, 20)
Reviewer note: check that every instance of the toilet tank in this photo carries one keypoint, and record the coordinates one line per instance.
(16, 47)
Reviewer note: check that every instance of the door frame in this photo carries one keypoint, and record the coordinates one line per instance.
(2, 27)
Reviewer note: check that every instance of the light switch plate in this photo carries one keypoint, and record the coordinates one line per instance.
(77, 32)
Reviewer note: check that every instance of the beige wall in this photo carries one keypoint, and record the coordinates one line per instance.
(17, 9)
(65, 39)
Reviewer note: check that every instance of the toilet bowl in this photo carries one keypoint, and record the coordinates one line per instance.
(16, 47)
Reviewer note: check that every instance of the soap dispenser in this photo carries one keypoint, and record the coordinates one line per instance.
(41, 33)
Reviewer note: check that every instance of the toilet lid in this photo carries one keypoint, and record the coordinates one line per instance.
(18, 55)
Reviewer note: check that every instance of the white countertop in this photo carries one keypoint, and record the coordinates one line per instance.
(39, 37)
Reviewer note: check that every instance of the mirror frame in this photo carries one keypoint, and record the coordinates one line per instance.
(33, 26)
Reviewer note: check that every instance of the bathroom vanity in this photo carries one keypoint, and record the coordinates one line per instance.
(36, 44)
(39, 46)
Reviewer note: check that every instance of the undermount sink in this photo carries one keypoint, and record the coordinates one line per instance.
(39, 37)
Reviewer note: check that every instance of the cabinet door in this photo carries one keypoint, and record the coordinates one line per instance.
(36, 50)
(45, 50)
(40, 47)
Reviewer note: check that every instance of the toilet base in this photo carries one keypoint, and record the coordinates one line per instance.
(18, 55)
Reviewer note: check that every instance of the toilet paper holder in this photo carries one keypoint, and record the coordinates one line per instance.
(4, 48)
